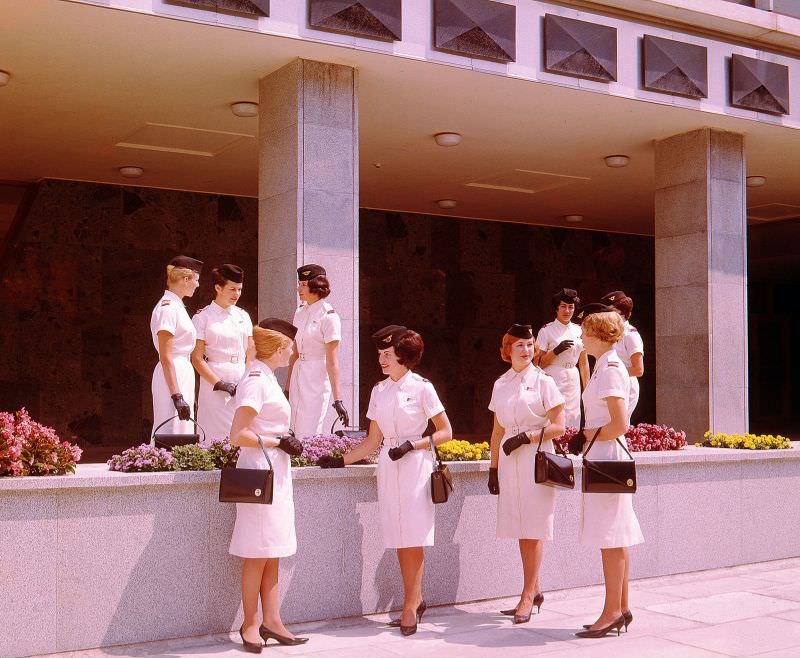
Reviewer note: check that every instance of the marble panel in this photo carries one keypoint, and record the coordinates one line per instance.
(681, 159)
(681, 209)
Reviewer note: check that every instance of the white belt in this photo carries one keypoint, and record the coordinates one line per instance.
(307, 357)
(517, 429)
(564, 366)
(233, 358)
(394, 441)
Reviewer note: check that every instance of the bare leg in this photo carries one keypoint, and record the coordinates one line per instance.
(270, 604)
(624, 605)
(530, 551)
(252, 571)
(412, 561)
(613, 573)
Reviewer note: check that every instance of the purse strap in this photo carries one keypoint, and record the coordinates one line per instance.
(541, 436)
(624, 447)
(435, 453)
(264, 450)
(173, 418)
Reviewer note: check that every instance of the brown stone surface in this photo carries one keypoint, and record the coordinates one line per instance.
(374, 19)
(250, 8)
(475, 28)
(759, 85)
(580, 49)
(674, 67)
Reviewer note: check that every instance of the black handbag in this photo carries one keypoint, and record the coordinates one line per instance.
(551, 469)
(608, 475)
(441, 479)
(168, 441)
(247, 485)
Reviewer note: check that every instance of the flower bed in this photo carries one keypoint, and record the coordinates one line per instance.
(744, 441)
(145, 458)
(643, 437)
(319, 445)
(30, 448)
(457, 450)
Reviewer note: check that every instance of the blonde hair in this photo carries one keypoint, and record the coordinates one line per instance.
(608, 326)
(268, 342)
(175, 274)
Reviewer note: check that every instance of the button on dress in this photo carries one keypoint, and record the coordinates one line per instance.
(265, 530)
(630, 344)
(402, 410)
(520, 401)
(170, 315)
(608, 519)
(563, 369)
(310, 388)
(225, 332)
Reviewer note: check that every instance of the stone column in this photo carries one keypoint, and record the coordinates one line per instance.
(308, 196)
(701, 282)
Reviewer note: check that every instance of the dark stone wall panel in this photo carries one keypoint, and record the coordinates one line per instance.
(674, 67)
(475, 28)
(759, 85)
(373, 19)
(249, 8)
(580, 49)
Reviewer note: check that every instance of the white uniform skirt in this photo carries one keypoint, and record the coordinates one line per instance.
(568, 381)
(633, 396)
(525, 509)
(214, 413)
(404, 498)
(163, 407)
(266, 530)
(310, 396)
(608, 520)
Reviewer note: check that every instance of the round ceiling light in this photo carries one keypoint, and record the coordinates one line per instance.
(756, 181)
(573, 219)
(447, 139)
(447, 203)
(616, 160)
(5, 76)
(245, 109)
(131, 172)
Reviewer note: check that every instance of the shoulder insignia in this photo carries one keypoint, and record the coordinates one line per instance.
(376, 384)
(612, 364)
(254, 373)
(634, 330)
(331, 311)
(420, 378)
(165, 302)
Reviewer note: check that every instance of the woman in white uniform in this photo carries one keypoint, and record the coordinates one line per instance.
(263, 534)
(608, 520)
(223, 349)
(562, 356)
(524, 400)
(314, 369)
(173, 337)
(631, 347)
(399, 409)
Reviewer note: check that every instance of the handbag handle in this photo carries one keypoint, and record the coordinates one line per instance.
(624, 447)
(264, 450)
(541, 436)
(173, 418)
(435, 453)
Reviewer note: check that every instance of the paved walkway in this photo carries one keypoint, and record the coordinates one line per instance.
(751, 610)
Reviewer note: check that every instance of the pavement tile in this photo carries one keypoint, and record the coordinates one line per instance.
(779, 575)
(789, 591)
(639, 647)
(593, 605)
(697, 588)
(757, 636)
(721, 608)
(791, 615)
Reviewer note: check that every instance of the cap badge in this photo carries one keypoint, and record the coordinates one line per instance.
(580, 315)
(388, 339)
(306, 272)
(611, 299)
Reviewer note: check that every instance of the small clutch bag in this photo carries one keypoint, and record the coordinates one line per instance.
(247, 485)
(441, 479)
(608, 475)
(164, 440)
(552, 469)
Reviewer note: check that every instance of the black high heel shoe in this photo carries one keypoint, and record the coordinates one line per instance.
(250, 647)
(395, 623)
(628, 615)
(267, 634)
(537, 601)
(615, 625)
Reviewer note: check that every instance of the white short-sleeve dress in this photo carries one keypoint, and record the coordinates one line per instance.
(520, 401)
(402, 410)
(630, 344)
(563, 369)
(608, 519)
(265, 530)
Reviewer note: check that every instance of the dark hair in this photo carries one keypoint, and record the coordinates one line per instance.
(560, 296)
(319, 286)
(624, 305)
(409, 348)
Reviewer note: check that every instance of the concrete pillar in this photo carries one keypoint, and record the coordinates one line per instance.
(308, 196)
(701, 282)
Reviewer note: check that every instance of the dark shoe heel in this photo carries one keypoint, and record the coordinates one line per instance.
(250, 647)
(628, 615)
(267, 634)
(421, 608)
(538, 600)
(615, 625)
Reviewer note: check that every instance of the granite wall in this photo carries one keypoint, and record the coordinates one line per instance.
(462, 282)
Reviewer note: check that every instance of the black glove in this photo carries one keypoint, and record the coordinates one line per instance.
(329, 461)
(290, 444)
(575, 444)
(515, 442)
(400, 451)
(494, 482)
(563, 346)
(228, 387)
(182, 407)
(339, 407)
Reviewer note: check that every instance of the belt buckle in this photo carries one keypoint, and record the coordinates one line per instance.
(302, 357)
(235, 358)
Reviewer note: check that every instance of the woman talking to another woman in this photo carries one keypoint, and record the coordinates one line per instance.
(525, 401)
(400, 407)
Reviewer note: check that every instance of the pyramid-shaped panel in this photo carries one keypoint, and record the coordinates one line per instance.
(249, 8)
(674, 67)
(373, 19)
(580, 49)
(475, 28)
(759, 85)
